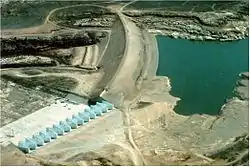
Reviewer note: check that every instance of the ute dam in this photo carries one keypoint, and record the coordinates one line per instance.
(122, 61)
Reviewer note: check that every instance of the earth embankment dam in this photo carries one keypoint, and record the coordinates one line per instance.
(130, 57)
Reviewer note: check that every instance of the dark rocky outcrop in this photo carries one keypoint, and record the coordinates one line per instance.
(36, 44)
(236, 153)
(242, 90)
(236, 150)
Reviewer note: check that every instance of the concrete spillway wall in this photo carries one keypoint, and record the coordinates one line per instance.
(47, 124)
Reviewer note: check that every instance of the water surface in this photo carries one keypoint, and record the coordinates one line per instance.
(202, 74)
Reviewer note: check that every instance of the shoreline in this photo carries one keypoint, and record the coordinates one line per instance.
(176, 35)
(232, 96)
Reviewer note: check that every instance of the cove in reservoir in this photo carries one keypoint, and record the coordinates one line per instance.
(202, 73)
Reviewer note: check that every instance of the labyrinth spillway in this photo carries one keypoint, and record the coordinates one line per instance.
(50, 123)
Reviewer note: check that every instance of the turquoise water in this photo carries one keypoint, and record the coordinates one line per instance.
(203, 74)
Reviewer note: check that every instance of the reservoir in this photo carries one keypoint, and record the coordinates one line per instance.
(202, 73)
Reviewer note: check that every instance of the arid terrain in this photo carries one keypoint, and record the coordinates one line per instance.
(89, 49)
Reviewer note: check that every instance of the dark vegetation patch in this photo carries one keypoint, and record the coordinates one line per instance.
(31, 71)
(236, 153)
(51, 82)
(61, 59)
(142, 104)
(63, 69)
(28, 64)
(34, 45)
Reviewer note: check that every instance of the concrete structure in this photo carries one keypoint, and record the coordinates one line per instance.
(50, 122)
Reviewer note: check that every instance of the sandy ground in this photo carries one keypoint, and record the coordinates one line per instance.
(45, 28)
(99, 132)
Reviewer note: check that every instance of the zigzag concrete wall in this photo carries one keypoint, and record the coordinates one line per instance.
(45, 125)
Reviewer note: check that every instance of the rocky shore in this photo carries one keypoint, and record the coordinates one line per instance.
(242, 89)
(221, 25)
(195, 20)
(194, 26)
(236, 150)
